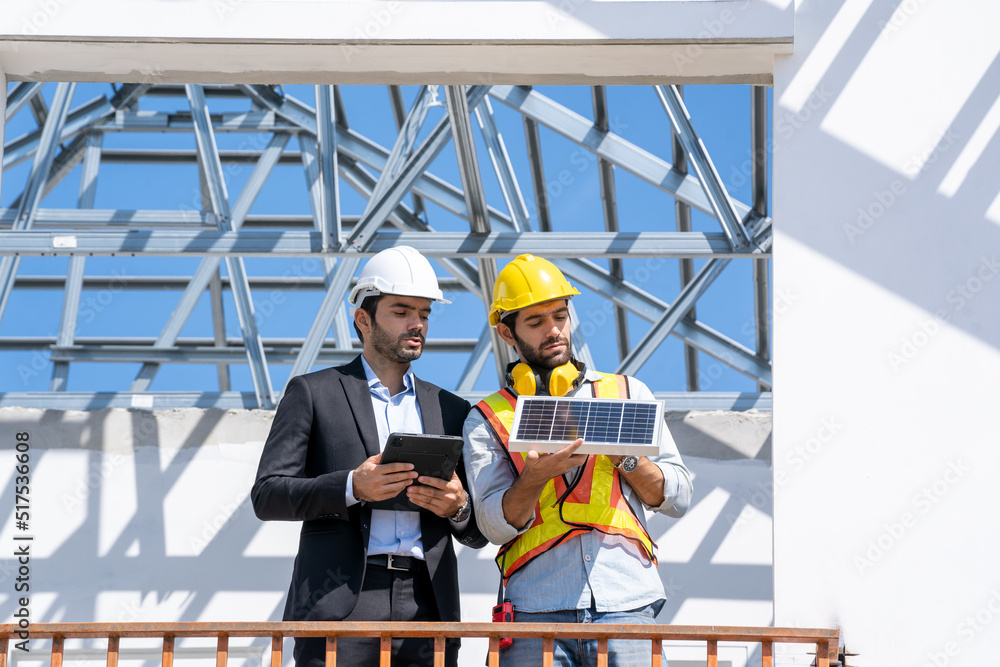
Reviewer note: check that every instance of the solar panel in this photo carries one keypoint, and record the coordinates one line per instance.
(607, 426)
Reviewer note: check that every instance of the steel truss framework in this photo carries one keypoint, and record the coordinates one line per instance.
(332, 154)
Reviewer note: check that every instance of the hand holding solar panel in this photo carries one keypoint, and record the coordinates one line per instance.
(607, 426)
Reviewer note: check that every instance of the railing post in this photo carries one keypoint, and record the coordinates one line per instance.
(112, 651)
(767, 653)
(602, 652)
(57, 652)
(222, 651)
(3, 640)
(385, 656)
(657, 652)
(276, 641)
(823, 653)
(493, 656)
(548, 644)
(331, 651)
(439, 651)
(713, 653)
(168, 651)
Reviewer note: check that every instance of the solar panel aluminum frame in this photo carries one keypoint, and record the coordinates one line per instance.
(649, 447)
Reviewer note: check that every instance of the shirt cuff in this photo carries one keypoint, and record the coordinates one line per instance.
(671, 486)
(349, 491)
(491, 514)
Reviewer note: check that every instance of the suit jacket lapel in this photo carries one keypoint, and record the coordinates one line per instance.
(430, 407)
(359, 398)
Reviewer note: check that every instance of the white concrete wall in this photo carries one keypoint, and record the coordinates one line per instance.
(143, 516)
(886, 209)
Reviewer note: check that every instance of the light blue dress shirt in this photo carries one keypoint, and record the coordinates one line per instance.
(396, 533)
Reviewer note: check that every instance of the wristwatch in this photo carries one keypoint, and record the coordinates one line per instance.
(628, 464)
(466, 510)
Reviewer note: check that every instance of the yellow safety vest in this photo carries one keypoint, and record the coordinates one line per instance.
(595, 502)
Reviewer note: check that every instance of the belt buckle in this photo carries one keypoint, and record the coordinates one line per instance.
(390, 566)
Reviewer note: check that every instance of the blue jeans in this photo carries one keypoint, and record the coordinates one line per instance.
(582, 652)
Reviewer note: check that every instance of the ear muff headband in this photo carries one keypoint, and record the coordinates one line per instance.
(561, 380)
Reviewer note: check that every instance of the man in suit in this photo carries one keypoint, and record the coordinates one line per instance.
(321, 465)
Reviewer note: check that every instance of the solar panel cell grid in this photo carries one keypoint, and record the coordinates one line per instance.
(607, 426)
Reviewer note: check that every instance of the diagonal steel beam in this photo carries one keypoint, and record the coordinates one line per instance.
(47, 143)
(468, 163)
(38, 109)
(86, 119)
(607, 145)
(20, 96)
(676, 311)
(701, 162)
(651, 309)
(208, 151)
(640, 354)
(402, 149)
(403, 218)
(210, 265)
(78, 120)
(399, 115)
(475, 204)
(501, 166)
(332, 302)
(474, 367)
(411, 171)
(268, 98)
(432, 188)
(331, 308)
(359, 147)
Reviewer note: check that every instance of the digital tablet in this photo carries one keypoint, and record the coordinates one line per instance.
(431, 455)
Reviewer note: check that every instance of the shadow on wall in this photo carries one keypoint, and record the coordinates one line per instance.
(927, 230)
(144, 516)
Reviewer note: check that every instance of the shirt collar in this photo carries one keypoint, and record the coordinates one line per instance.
(375, 383)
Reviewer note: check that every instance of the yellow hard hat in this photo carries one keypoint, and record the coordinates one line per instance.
(525, 281)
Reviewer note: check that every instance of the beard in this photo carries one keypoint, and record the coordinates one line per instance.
(534, 356)
(393, 349)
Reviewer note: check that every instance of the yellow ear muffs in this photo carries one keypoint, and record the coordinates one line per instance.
(563, 379)
(525, 381)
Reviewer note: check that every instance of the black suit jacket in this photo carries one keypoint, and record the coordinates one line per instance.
(323, 429)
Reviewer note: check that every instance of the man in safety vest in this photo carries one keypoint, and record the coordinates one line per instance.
(575, 548)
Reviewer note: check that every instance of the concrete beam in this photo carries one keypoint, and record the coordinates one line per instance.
(468, 41)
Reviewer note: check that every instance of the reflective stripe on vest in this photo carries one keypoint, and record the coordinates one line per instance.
(594, 503)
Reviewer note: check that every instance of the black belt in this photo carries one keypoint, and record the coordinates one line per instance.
(391, 562)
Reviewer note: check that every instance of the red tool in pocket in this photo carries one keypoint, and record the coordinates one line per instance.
(504, 613)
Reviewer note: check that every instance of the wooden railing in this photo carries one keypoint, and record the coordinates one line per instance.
(825, 641)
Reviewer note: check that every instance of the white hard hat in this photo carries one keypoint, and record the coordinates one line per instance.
(402, 271)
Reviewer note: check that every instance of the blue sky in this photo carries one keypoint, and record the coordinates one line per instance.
(721, 115)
